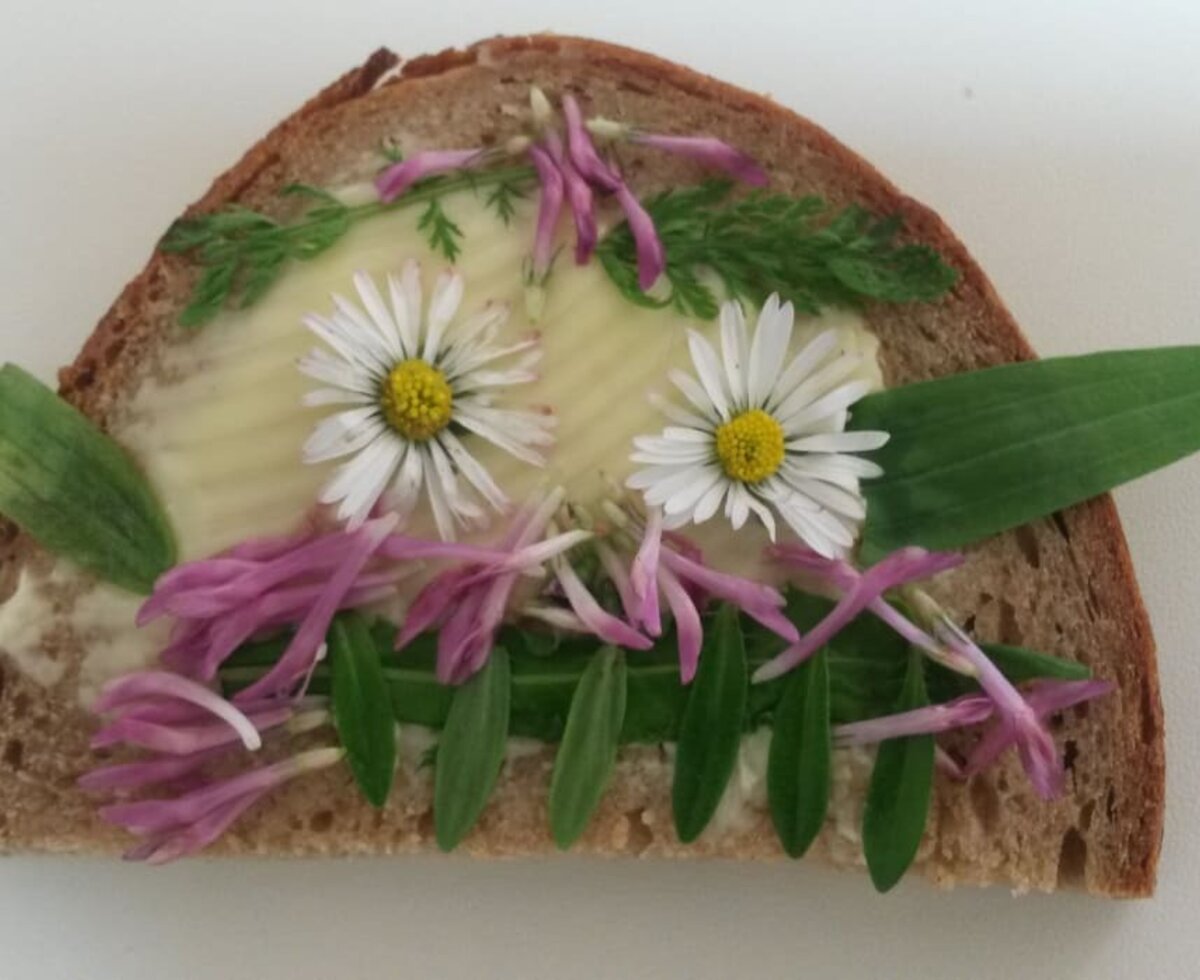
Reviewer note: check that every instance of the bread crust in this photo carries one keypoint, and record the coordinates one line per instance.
(1105, 836)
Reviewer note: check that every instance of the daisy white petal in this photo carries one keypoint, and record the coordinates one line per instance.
(839, 442)
(803, 365)
(677, 414)
(817, 385)
(827, 404)
(693, 391)
(686, 498)
(391, 365)
(734, 351)
(768, 349)
(708, 370)
(707, 505)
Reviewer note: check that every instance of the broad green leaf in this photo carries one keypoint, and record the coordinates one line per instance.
(977, 453)
(898, 797)
(799, 765)
(75, 490)
(585, 760)
(471, 750)
(711, 729)
(362, 709)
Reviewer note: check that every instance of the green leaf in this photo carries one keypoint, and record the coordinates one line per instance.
(471, 751)
(974, 454)
(442, 234)
(898, 796)
(75, 490)
(711, 729)
(362, 710)
(799, 765)
(763, 243)
(585, 760)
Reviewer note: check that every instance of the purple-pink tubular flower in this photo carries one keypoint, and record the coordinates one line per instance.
(643, 575)
(599, 622)
(583, 151)
(579, 197)
(1043, 699)
(550, 202)
(134, 691)
(709, 151)
(399, 177)
(125, 777)
(176, 827)
(651, 258)
(860, 591)
(467, 604)
(760, 602)
(297, 659)
(970, 709)
(689, 632)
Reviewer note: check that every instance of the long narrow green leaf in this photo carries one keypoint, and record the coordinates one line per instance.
(711, 729)
(588, 753)
(471, 750)
(799, 765)
(362, 709)
(75, 490)
(977, 453)
(898, 797)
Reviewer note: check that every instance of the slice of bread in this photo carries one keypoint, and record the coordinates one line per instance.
(1064, 585)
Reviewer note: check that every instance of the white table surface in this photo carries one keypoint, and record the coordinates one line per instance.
(1064, 147)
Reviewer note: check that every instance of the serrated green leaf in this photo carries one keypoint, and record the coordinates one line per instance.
(974, 454)
(588, 752)
(471, 750)
(799, 765)
(711, 729)
(75, 490)
(898, 796)
(362, 710)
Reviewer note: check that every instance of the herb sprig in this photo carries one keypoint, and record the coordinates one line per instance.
(766, 243)
(243, 252)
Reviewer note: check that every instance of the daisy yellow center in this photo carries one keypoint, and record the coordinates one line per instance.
(417, 400)
(750, 446)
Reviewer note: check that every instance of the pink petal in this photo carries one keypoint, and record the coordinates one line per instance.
(620, 579)
(932, 719)
(582, 150)
(579, 197)
(190, 840)
(651, 258)
(643, 574)
(606, 626)
(297, 658)
(177, 739)
(688, 629)
(398, 178)
(550, 204)
(709, 151)
(162, 684)
(136, 775)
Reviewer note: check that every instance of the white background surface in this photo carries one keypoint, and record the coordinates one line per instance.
(1064, 147)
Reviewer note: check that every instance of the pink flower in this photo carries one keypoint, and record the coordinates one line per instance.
(709, 151)
(959, 713)
(643, 575)
(583, 151)
(579, 197)
(861, 591)
(399, 177)
(468, 603)
(550, 204)
(597, 620)
(176, 827)
(651, 258)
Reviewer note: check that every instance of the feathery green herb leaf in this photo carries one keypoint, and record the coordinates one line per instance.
(243, 252)
(753, 246)
(503, 199)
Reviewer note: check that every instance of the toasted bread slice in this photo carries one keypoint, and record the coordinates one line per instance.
(1063, 584)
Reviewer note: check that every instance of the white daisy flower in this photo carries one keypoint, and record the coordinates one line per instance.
(420, 388)
(761, 436)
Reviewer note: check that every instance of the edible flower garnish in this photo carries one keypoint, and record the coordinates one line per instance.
(1020, 717)
(666, 566)
(416, 381)
(176, 827)
(467, 604)
(575, 173)
(762, 437)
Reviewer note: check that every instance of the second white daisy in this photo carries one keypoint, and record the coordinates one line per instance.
(763, 435)
(418, 386)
